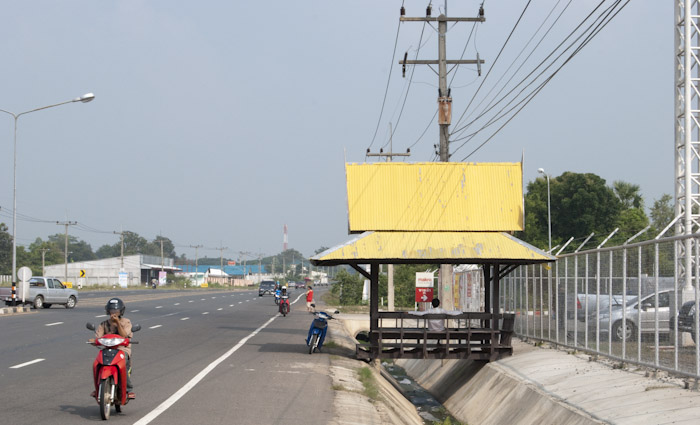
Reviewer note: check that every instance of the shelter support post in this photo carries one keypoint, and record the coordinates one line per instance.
(374, 306)
(487, 290)
(495, 293)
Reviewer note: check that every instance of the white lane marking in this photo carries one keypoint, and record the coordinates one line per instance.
(219, 309)
(156, 326)
(213, 298)
(230, 305)
(101, 315)
(184, 318)
(206, 312)
(201, 375)
(190, 301)
(170, 314)
(53, 324)
(17, 366)
(240, 302)
(176, 304)
(247, 300)
(134, 311)
(160, 306)
(203, 299)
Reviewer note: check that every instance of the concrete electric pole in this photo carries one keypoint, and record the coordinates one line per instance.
(65, 251)
(445, 292)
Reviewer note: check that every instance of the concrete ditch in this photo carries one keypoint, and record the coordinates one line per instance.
(545, 385)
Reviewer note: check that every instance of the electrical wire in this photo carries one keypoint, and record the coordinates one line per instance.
(386, 90)
(597, 30)
(487, 96)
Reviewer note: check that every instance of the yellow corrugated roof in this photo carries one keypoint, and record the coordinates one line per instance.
(435, 196)
(433, 247)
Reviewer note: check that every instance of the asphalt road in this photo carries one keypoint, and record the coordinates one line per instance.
(203, 357)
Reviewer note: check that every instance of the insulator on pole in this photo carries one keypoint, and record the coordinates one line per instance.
(428, 10)
(403, 11)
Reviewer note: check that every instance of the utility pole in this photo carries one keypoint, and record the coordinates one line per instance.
(162, 257)
(121, 237)
(389, 155)
(65, 251)
(221, 251)
(43, 254)
(196, 261)
(445, 292)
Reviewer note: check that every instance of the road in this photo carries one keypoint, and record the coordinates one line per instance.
(203, 357)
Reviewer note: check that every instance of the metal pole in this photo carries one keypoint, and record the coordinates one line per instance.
(442, 70)
(549, 214)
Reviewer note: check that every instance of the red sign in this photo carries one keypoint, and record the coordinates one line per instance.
(424, 295)
(231, 263)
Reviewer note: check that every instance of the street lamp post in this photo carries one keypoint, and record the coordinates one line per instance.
(84, 99)
(549, 211)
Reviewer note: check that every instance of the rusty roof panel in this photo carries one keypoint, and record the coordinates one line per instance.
(448, 247)
(435, 196)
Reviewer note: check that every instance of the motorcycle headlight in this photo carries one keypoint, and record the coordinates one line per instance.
(110, 342)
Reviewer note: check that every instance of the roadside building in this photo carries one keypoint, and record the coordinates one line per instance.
(139, 269)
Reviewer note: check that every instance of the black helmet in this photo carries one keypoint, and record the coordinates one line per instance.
(115, 304)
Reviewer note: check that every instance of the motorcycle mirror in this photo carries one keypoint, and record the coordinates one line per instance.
(136, 328)
(313, 305)
(90, 326)
(336, 312)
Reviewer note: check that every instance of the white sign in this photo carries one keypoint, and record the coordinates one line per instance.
(424, 280)
(123, 279)
(162, 278)
(24, 274)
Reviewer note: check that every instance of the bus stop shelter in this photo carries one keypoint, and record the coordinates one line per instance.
(435, 213)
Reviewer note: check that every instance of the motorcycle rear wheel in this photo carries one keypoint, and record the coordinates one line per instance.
(106, 397)
(284, 309)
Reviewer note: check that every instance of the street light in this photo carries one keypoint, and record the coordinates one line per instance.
(84, 99)
(549, 211)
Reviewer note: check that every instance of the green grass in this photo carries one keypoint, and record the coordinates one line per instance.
(365, 376)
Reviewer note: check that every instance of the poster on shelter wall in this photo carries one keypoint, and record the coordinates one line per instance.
(162, 278)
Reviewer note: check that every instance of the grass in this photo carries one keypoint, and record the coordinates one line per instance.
(330, 344)
(366, 376)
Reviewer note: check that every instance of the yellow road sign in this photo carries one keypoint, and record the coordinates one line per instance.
(82, 273)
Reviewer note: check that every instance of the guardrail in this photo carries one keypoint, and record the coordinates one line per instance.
(590, 301)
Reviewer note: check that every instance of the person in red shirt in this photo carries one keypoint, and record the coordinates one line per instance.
(309, 299)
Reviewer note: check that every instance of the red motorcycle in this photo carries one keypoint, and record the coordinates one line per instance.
(284, 305)
(109, 371)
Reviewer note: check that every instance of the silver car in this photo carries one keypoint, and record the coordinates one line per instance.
(648, 314)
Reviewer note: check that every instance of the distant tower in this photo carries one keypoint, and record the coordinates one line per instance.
(284, 246)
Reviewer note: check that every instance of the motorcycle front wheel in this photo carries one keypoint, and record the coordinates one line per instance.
(313, 343)
(284, 309)
(106, 387)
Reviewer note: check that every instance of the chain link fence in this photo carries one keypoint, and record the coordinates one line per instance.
(628, 303)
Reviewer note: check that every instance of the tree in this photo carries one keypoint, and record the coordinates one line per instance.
(628, 194)
(5, 250)
(661, 213)
(580, 204)
(79, 250)
(349, 288)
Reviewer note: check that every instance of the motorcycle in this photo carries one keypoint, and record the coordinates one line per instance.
(284, 305)
(277, 297)
(109, 371)
(317, 331)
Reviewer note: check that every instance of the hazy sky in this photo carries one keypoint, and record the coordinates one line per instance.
(217, 122)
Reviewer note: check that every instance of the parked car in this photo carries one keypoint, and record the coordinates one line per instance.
(648, 314)
(43, 293)
(267, 287)
(686, 319)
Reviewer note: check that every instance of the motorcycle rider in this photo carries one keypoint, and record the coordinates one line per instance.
(118, 324)
(283, 300)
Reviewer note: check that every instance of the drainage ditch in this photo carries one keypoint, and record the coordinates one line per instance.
(431, 410)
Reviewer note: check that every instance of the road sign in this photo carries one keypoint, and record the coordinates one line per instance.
(424, 295)
(82, 273)
(424, 280)
(24, 274)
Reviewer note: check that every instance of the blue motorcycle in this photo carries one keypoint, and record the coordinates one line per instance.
(317, 331)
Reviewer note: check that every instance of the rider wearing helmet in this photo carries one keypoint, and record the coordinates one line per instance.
(120, 325)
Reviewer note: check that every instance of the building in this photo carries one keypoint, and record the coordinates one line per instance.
(140, 269)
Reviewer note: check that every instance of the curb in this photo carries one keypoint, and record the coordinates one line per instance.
(14, 310)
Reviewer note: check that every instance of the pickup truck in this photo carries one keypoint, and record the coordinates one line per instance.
(43, 292)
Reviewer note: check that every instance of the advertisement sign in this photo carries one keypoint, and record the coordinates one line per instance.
(231, 263)
(424, 280)
(123, 279)
(162, 278)
(424, 295)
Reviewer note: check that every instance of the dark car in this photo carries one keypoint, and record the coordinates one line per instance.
(266, 287)
(686, 319)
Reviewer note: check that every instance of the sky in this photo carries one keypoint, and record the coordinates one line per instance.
(216, 123)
